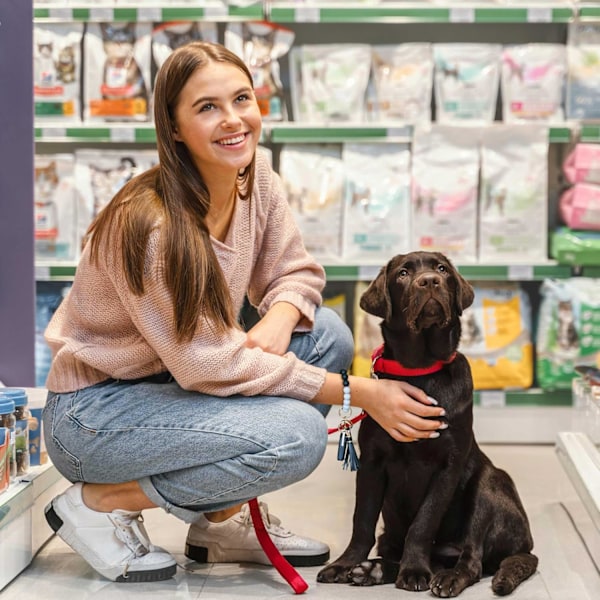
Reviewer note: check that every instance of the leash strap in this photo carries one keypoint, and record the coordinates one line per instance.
(277, 559)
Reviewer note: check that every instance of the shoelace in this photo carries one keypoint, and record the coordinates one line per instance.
(272, 523)
(129, 529)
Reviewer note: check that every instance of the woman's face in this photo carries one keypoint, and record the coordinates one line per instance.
(218, 119)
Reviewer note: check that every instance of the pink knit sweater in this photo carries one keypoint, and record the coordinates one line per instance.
(102, 330)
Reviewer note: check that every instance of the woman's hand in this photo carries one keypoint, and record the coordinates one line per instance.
(273, 332)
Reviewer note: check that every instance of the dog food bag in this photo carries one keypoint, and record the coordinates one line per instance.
(313, 177)
(582, 164)
(377, 203)
(583, 71)
(261, 45)
(99, 175)
(367, 334)
(329, 82)
(402, 82)
(466, 82)
(533, 81)
(56, 207)
(117, 58)
(580, 206)
(56, 72)
(497, 337)
(514, 194)
(445, 178)
(568, 332)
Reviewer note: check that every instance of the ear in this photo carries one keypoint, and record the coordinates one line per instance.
(376, 298)
(175, 131)
(464, 293)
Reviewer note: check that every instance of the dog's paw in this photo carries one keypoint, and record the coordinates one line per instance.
(413, 580)
(335, 573)
(368, 572)
(450, 583)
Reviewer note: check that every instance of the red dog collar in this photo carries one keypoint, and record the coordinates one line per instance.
(393, 367)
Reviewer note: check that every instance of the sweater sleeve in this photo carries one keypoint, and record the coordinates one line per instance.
(283, 270)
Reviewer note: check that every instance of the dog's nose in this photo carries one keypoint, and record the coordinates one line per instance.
(429, 280)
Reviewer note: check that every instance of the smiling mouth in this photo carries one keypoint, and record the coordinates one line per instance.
(238, 139)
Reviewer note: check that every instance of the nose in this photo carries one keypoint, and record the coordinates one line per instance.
(429, 280)
(231, 118)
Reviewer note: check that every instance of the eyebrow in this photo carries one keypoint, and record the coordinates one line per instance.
(242, 90)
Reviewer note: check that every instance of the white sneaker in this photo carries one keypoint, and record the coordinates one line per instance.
(234, 540)
(115, 544)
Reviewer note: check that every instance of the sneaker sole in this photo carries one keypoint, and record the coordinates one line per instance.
(56, 523)
(200, 554)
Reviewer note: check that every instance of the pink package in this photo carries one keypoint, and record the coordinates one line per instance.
(582, 165)
(580, 207)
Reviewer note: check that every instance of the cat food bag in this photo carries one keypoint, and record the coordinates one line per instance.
(329, 82)
(99, 175)
(169, 36)
(445, 178)
(582, 164)
(513, 213)
(580, 206)
(497, 337)
(583, 67)
(533, 81)
(56, 207)
(117, 59)
(568, 332)
(402, 80)
(313, 177)
(261, 46)
(56, 72)
(377, 203)
(466, 82)
(367, 334)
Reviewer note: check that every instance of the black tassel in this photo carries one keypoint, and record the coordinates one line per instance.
(350, 458)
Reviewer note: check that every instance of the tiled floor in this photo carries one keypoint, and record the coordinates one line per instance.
(321, 506)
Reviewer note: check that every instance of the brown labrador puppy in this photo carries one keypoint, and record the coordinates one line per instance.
(449, 514)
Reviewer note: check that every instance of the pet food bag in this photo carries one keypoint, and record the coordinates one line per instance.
(329, 82)
(514, 194)
(533, 81)
(582, 164)
(401, 83)
(117, 58)
(261, 46)
(497, 337)
(583, 71)
(466, 82)
(580, 207)
(56, 72)
(367, 334)
(377, 203)
(313, 178)
(171, 35)
(581, 248)
(445, 178)
(568, 331)
(4, 458)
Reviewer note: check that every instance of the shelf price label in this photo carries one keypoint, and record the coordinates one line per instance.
(122, 134)
(62, 14)
(539, 14)
(102, 13)
(492, 398)
(149, 13)
(462, 14)
(520, 272)
(53, 133)
(307, 14)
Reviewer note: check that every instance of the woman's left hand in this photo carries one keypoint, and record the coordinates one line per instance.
(274, 331)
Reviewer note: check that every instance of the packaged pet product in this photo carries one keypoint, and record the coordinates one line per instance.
(582, 164)
(514, 194)
(169, 36)
(583, 65)
(56, 207)
(580, 206)
(56, 72)
(568, 332)
(261, 46)
(445, 177)
(581, 248)
(99, 175)
(367, 334)
(497, 337)
(329, 82)
(402, 82)
(377, 203)
(4, 459)
(466, 81)
(117, 71)
(313, 178)
(533, 82)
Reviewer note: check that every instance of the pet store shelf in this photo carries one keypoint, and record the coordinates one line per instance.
(467, 12)
(93, 133)
(514, 398)
(210, 11)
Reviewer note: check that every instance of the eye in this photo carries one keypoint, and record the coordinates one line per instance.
(442, 268)
(243, 98)
(402, 272)
(206, 107)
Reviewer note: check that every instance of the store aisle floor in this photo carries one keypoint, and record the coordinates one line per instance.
(321, 506)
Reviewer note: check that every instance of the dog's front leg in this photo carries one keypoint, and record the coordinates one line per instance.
(370, 488)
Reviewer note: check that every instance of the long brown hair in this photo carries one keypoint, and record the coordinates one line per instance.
(174, 192)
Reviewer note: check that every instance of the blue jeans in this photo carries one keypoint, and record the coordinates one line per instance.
(191, 452)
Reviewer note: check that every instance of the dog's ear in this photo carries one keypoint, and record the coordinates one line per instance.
(464, 292)
(376, 298)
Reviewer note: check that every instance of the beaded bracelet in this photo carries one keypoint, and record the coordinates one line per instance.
(346, 391)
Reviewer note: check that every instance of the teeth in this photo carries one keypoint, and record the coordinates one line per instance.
(232, 141)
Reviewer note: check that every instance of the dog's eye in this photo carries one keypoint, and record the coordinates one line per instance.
(442, 268)
(402, 273)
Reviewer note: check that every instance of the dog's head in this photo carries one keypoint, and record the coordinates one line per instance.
(418, 289)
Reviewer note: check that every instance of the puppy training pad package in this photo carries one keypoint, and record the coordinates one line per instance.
(570, 247)
(496, 337)
(568, 329)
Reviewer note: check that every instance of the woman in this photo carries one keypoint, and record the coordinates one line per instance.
(157, 397)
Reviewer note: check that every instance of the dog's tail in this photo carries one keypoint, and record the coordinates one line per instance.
(512, 571)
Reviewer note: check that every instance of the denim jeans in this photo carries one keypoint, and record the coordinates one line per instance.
(191, 452)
